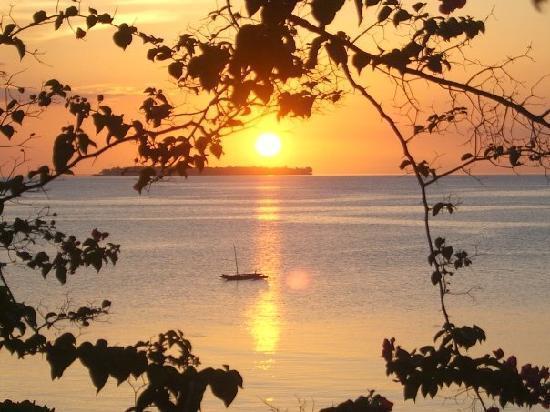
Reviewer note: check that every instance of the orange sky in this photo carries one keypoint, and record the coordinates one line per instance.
(346, 139)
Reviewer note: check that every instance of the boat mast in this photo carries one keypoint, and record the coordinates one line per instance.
(236, 261)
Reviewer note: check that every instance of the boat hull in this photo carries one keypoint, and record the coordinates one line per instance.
(244, 276)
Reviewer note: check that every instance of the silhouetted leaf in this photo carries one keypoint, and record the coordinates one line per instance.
(447, 252)
(434, 64)
(404, 164)
(384, 13)
(7, 130)
(410, 390)
(18, 116)
(71, 11)
(224, 384)
(39, 16)
(437, 208)
(514, 156)
(80, 34)
(359, 7)
(91, 20)
(144, 179)
(123, 36)
(436, 277)
(61, 274)
(59, 20)
(252, 6)
(324, 11)
(400, 16)
(20, 46)
(337, 52)
(63, 151)
(175, 69)
(216, 149)
(418, 6)
(360, 61)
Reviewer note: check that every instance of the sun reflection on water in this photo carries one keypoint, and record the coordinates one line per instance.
(264, 316)
(267, 210)
(265, 325)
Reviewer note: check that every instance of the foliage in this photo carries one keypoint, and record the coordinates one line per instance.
(371, 403)
(304, 63)
(25, 406)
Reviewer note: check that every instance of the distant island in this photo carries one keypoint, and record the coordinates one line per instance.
(219, 171)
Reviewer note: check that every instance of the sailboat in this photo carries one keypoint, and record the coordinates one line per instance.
(243, 276)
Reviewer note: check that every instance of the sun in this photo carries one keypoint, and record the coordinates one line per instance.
(268, 144)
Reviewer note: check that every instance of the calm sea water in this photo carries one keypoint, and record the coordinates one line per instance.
(346, 260)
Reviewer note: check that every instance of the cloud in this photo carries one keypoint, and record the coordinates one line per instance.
(108, 89)
(136, 18)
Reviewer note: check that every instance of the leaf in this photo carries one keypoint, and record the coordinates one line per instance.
(59, 21)
(99, 376)
(359, 7)
(324, 11)
(466, 156)
(104, 18)
(83, 143)
(225, 384)
(514, 156)
(46, 269)
(18, 116)
(216, 149)
(234, 123)
(434, 64)
(337, 52)
(418, 6)
(384, 13)
(447, 252)
(436, 278)
(39, 16)
(175, 69)
(144, 179)
(20, 46)
(71, 11)
(437, 208)
(360, 61)
(410, 390)
(63, 150)
(9, 29)
(80, 34)
(263, 91)
(7, 131)
(252, 6)
(123, 36)
(401, 16)
(372, 2)
(61, 273)
(91, 21)
(404, 164)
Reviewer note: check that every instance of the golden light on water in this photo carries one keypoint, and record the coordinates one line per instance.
(268, 211)
(265, 326)
(264, 315)
(268, 144)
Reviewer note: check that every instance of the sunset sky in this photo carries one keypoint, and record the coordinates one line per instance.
(346, 139)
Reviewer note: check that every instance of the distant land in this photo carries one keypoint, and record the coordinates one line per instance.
(219, 171)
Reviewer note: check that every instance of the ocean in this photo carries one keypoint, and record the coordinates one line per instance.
(347, 264)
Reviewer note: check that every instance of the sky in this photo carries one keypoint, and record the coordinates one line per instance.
(346, 139)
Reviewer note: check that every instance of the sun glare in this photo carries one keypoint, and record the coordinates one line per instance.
(268, 144)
